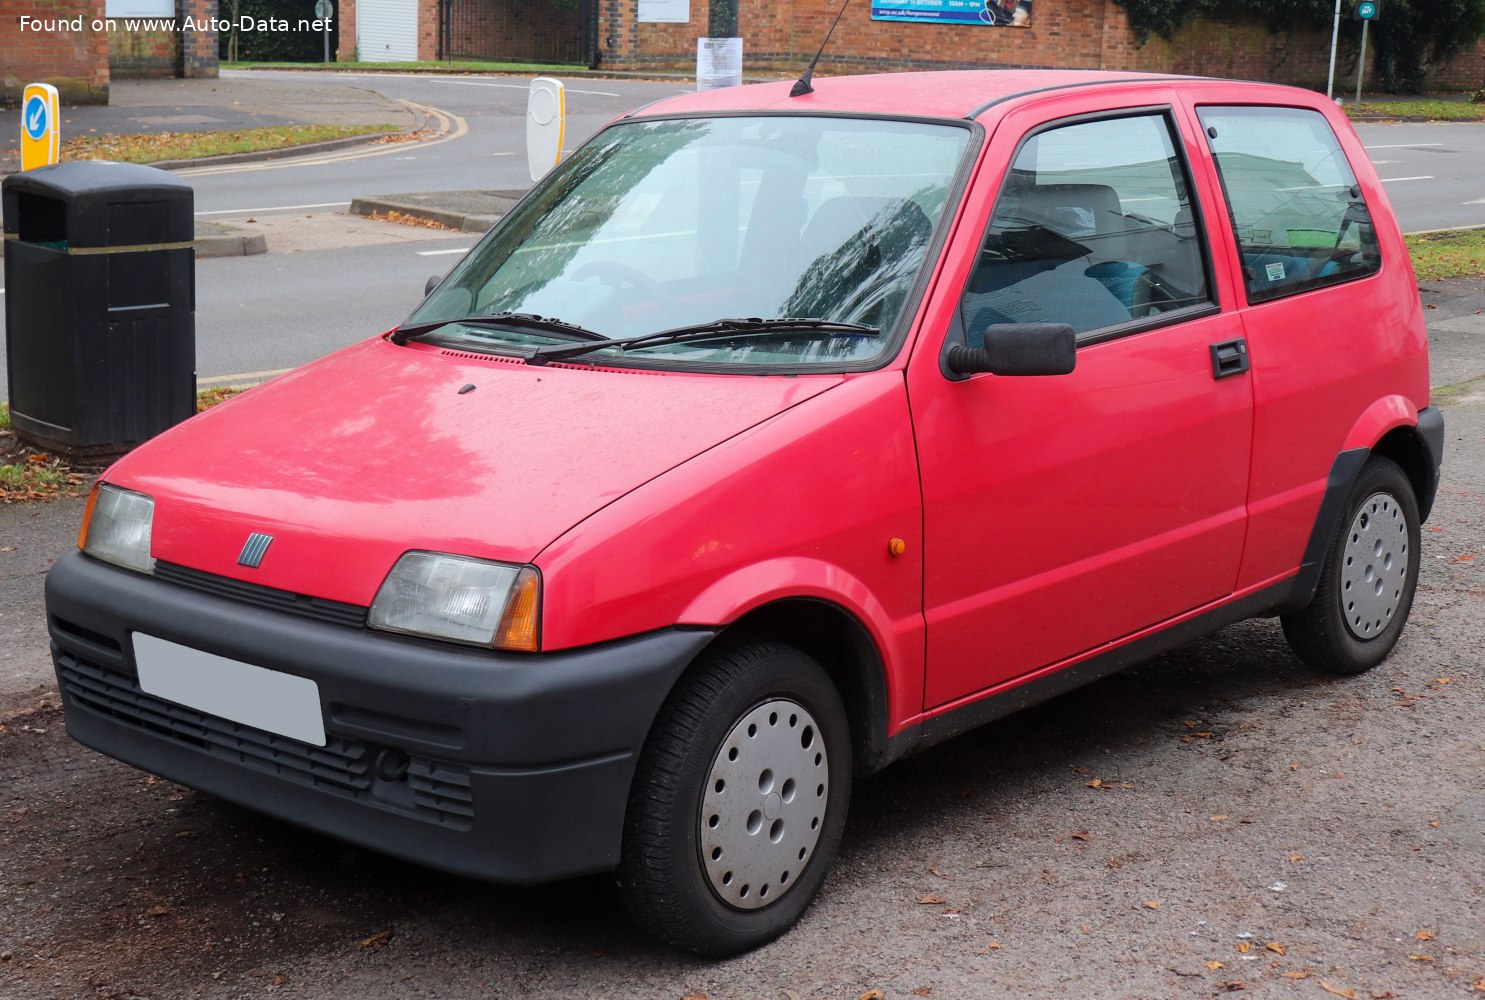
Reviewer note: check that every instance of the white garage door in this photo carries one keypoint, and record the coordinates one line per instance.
(387, 30)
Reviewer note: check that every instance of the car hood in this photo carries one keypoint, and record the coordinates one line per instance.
(380, 449)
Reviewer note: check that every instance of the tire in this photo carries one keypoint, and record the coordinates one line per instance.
(1366, 584)
(738, 801)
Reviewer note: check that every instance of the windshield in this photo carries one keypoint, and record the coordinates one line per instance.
(660, 225)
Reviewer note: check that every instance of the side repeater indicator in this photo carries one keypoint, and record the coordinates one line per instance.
(254, 550)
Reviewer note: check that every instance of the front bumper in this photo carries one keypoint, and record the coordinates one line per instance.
(512, 768)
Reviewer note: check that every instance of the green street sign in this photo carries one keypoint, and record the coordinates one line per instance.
(1366, 10)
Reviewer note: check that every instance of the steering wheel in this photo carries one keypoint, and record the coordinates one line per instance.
(615, 273)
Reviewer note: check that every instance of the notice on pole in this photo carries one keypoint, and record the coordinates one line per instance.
(665, 11)
(718, 63)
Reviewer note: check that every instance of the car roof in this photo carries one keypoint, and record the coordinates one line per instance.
(941, 94)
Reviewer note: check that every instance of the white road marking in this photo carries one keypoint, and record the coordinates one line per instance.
(275, 208)
(1405, 145)
(1378, 163)
(1477, 201)
(1424, 177)
(440, 253)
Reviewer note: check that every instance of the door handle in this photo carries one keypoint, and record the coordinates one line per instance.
(1229, 358)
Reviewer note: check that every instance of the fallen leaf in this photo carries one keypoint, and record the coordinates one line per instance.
(1277, 948)
(1384, 995)
(696, 996)
(1085, 928)
(1150, 904)
(1214, 965)
(377, 940)
(935, 871)
(7, 548)
(1296, 858)
(1339, 991)
(1218, 818)
(923, 991)
(1082, 835)
(1442, 680)
(1420, 958)
(1296, 974)
(931, 901)
(1478, 986)
(873, 995)
(992, 946)
(1234, 986)
(1096, 783)
(1423, 935)
(159, 910)
(1434, 822)
(1244, 947)
(279, 980)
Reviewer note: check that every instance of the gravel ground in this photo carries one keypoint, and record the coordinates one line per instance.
(1216, 821)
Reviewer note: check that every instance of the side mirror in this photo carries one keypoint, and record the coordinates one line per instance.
(1018, 349)
(433, 283)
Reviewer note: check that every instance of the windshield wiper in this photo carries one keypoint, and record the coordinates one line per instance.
(722, 329)
(503, 321)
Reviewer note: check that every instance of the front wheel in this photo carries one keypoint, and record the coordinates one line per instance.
(1366, 585)
(738, 801)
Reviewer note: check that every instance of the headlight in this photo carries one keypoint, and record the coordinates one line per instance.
(467, 600)
(116, 528)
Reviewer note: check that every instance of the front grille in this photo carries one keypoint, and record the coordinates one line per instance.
(318, 608)
(439, 791)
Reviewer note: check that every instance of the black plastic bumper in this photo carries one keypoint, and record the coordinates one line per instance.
(504, 767)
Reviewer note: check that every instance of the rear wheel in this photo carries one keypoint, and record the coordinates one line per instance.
(1366, 585)
(738, 802)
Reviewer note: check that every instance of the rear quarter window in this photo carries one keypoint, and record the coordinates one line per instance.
(1300, 219)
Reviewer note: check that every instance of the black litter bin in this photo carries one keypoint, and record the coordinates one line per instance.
(100, 304)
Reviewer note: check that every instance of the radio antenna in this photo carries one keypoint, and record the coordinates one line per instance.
(802, 85)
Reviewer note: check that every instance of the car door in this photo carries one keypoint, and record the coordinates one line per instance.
(1062, 513)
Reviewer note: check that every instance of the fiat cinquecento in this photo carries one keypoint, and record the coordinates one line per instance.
(768, 440)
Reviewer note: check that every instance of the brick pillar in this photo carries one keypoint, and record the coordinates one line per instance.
(345, 13)
(618, 31)
(429, 12)
(198, 47)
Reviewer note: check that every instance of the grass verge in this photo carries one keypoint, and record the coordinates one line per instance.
(448, 66)
(152, 146)
(1418, 110)
(1456, 254)
(29, 474)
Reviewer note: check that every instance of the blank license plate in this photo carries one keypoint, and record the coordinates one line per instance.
(254, 696)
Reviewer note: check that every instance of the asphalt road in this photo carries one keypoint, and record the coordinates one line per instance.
(491, 155)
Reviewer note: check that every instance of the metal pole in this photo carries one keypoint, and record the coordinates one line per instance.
(1335, 34)
(1361, 62)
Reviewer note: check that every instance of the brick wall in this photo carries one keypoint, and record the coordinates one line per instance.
(1081, 34)
(75, 62)
(515, 29)
(139, 55)
(162, 54)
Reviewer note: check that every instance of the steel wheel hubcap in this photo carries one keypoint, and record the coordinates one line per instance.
(764, 806)
(1374, 566)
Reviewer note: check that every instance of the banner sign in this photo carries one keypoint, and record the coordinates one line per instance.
(1003, 13)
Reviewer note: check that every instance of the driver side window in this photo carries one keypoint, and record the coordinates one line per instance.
(1093, 228)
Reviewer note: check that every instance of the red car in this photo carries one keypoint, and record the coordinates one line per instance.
(771, 439)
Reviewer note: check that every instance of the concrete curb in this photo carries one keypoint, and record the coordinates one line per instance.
(241, 245)
(329, 145)
(450, 218)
